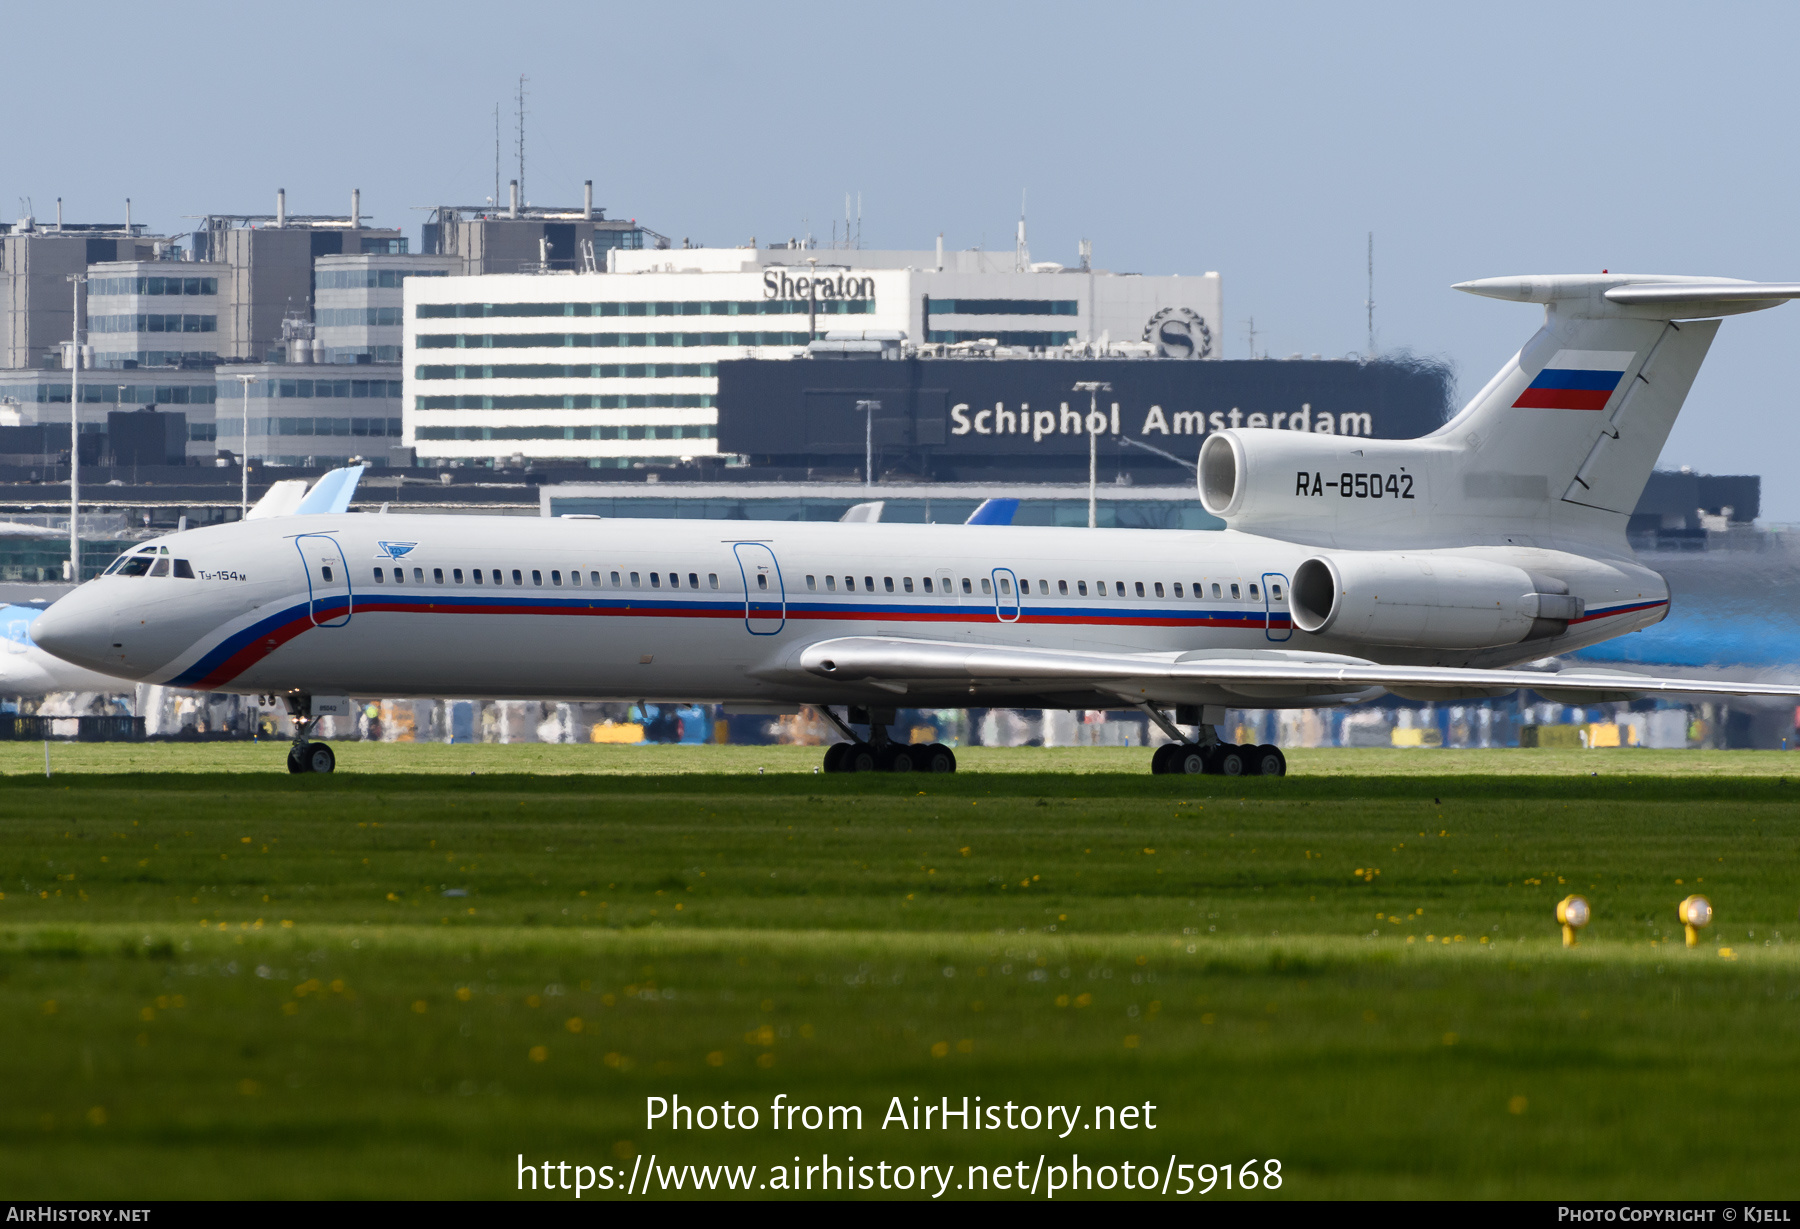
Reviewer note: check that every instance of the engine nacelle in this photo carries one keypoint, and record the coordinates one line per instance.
(1426, 600)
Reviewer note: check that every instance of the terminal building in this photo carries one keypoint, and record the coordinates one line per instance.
(621, 369)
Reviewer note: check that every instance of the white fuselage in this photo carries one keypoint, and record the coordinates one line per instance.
(715, 610)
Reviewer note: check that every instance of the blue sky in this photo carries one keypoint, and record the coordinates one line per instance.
(1263, 141)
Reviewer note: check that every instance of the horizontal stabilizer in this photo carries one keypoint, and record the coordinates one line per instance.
(893, 660)
(1704, 292)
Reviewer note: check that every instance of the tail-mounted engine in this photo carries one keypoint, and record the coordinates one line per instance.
(1427, 600)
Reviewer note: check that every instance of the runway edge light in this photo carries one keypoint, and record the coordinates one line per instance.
(1574, 913)
(1695, 912)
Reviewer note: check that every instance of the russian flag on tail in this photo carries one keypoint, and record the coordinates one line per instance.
(1576, 380)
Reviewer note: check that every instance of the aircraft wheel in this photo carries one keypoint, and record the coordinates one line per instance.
(1232, 761)
(834, 757)
(319, 758)
(297, 760)
(1188, 759)
(903, 758)
(937, 758)
(1267, 761)
(1160, 759)
(860, 758)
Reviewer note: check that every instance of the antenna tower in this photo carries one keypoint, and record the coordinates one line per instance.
(521, 103)
(1021, 253)
(1369, 303)
(496, 155)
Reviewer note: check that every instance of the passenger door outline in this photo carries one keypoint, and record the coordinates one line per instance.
(1269, 612)
(765, 603)
(1007, 607)
(322, 595)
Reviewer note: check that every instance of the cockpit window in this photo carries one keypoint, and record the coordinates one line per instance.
(184, 570)
(136, 565)
(161, 568)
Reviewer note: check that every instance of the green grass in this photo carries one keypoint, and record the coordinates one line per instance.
(223, 981)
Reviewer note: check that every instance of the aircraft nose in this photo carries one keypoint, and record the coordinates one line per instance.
(77, 631)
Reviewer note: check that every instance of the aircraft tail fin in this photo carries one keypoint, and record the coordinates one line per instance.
(994, 512)
(1588, 403)
(1557, 446)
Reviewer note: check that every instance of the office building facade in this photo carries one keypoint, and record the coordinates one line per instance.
(619, 369)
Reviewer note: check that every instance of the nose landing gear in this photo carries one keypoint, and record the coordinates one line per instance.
(880, 753)
(305, 755)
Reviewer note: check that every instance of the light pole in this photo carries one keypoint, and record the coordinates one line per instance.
(75, 281)
(244, 454)
(869, 408)
(1093, 388)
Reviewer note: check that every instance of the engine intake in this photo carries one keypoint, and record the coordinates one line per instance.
(1428, 601)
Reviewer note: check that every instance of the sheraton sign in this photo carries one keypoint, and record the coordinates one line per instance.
(817, 286)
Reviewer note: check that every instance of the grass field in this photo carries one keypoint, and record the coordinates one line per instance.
(220, 980)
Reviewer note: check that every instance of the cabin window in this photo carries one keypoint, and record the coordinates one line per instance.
(762, 580)
(831, 584)
(575, 577)
(889, 582)
(1062, 588)
(1275, 592)
(967, 587)
(537, 577)
(655, 580)
(455, 574)
(615, 580)
(849, 584)
(987, 585)
(1216, 588)
(1005, 585)
(635, 584)
(418, 576)
(693, 580)
(1159, 589)
(811, 583)
(674, 580)
(1253, 594)
(906, 583)
(1119, 585)
(1140, 588)
(476, 576)
(594, 579)
(378, 576)
(712, 579)
(1178, 588)
(926, 581)
(868, 584)
(1235, 595)
(556, 578)
(1081, 587)
(1044, 588)
(437, 576)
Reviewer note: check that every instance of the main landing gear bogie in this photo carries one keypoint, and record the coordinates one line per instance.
(894, 757)
(1220, 759)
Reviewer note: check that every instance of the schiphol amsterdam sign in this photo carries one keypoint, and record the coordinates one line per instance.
(818, 286)
(1040, 425)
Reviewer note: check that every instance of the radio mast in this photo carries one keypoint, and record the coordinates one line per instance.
(1369, 303)
(522, 80)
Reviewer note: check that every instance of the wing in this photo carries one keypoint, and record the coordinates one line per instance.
(896, 663)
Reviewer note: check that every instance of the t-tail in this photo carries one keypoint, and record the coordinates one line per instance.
(1554, 451)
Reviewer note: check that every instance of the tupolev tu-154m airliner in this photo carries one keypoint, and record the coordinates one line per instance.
(1430, 568)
